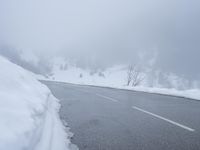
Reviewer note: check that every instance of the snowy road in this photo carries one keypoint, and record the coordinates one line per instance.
(109, 119)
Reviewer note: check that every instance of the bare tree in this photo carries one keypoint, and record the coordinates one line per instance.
(129, 74)
(137, 77)
(134, 75)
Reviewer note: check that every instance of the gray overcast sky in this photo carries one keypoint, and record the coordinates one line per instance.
(107, 30)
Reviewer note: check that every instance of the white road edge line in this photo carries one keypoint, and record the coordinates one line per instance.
(109, 98)
(165, 119)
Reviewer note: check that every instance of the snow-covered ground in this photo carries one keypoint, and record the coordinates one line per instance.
(115, 77)
(29, 117)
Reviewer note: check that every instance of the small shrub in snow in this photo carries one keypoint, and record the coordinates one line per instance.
(81, 75)
(134, 76)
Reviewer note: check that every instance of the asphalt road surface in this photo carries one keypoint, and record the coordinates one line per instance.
(110, 119)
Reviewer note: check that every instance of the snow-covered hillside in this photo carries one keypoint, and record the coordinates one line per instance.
(116, 77)
(113, 76)
(29, 117)
(67, 71)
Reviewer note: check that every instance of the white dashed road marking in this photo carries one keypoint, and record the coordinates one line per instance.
(99, 95)
(165, 119)
(108, 98)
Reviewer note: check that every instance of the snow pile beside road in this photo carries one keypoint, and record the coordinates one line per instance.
(191, 94)
(29, 117)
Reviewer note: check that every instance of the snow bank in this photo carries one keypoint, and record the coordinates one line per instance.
(190, 94)
(29, 117)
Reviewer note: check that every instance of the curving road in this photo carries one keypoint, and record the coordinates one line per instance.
(111, 119)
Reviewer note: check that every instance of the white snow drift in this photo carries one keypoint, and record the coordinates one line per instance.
(29, 117)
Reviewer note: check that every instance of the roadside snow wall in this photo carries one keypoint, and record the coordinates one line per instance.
(29, 117)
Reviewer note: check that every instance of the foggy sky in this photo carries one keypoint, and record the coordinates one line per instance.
(109, 31)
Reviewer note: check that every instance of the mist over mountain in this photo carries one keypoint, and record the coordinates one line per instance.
(26, 60)
(163, 35)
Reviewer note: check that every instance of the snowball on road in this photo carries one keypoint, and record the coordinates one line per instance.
(28, 112)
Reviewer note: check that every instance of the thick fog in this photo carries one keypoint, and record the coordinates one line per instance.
(162, 33)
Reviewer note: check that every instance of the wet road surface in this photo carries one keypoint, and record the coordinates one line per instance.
(111, 119)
